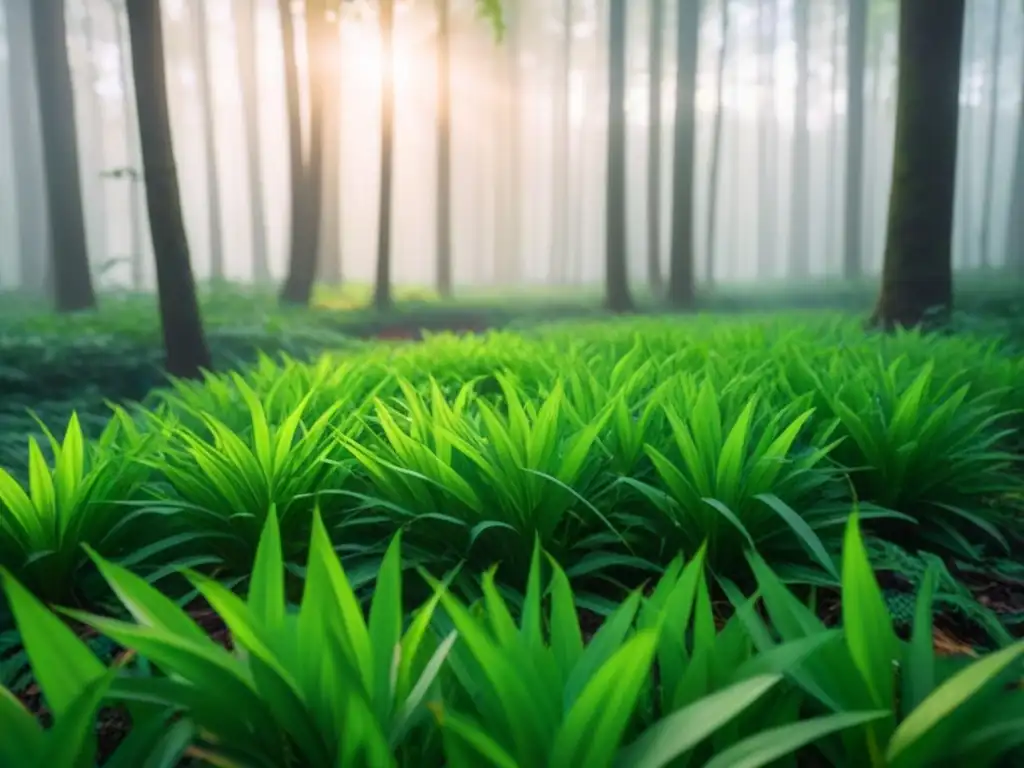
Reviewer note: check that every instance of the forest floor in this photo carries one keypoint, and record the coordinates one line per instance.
(53, 366)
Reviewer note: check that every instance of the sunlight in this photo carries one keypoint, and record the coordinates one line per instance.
(364, 58)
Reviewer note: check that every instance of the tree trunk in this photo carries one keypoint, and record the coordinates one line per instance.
(617, 297)
(681, 291)
(382, 289)
(856, 61)
(800, 184)
(132, 173)
(94, 165)
(444, 152)
(833, 131)
(1015, 233)
(561, 167)
(72, 279)
(716, 149)
(306, 181)
(917, 278)
(213, 215)
(994, 79)
(184, 340)
(330, 206)
(246, 43)
(32, 208)
(767, 177)
(656, 43)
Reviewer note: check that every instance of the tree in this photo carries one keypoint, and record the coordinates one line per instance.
(800, 256)
(561, 167)
(330, 229)
(1015, 233)
(681, 291)
(184, 340)
(716, 146)
(306, 174)
(994, 78)
(856, 62)
(767, 182)
(917, 277)
(72, 279)
(249, 82)
(656, 45)
(213, 216)
(617, 297)
(32, 207)
(382, 286)
(444, 150)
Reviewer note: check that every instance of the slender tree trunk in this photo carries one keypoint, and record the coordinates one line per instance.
(72, 279)
(330, 259)
(306, 182)
(32, 206)
(800, 247)
(716, 149)
(856, 61)
(509, 268)
(872, 142)
(767, 187)
(132, 173)
(833, 131)
(184, 340)
(382, 289)
(656, 43)
(246, 44)
(1015, 229)
(444, 152)
(966, 164)
(561, 167)
(917, 278)
(94, 165)
(213, 212)
(681, 291)
(994, 78)
(617, 297)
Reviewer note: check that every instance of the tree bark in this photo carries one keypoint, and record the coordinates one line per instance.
(306, 177)
(1015, 233)
(716, 149)
(32, 207)
(681, 290)
(561, 166)
(799, 232)
(214, 220)
(246, 43)
(184, 340)
(617, 297)
(444, 152)
(656, 43)
(917, 278)
(330, 227)
(833, 130)
(72, 278)
(994, 79)
(767, 163)
(132, 173)
(382, 289)
(856, 61)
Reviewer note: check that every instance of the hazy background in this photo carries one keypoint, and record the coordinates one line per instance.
(556, 240)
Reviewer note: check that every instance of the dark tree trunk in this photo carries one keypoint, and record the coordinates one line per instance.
(72, 279)
(184, 340)
(32, 208)
(382, 288)
(617, 297)
(306, 182)
(1015, 233)
(681, 291)
(246, 42)
(799, 232)
(214, 231)
(444, 152)
(656, 43)
(917, 278)
(716, 149)
(856, 62)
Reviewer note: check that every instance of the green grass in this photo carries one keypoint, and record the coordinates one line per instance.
(655, 463)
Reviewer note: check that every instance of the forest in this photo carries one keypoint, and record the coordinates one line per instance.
(511, 383)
